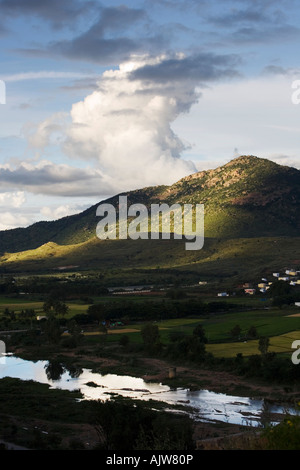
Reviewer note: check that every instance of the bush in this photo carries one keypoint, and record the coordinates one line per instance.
(284, 436)
(123, 425)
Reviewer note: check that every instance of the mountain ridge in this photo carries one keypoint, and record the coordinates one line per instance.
(247, 197)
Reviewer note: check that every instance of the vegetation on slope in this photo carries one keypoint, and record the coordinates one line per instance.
(246, 199)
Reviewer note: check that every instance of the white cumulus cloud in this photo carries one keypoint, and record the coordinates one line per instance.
(9, 220)
(123, 133)
(55, 213)
(124, 127)
(12, 199)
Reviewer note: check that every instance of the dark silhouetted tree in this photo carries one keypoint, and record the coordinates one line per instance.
(263, 344)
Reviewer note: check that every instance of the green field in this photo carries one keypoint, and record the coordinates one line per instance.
(281, 328)
(17, 305)
(280, 325)
(278, 344)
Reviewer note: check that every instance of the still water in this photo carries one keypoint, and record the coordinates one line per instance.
(205, 405)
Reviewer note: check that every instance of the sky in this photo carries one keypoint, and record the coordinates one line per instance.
(102, 97)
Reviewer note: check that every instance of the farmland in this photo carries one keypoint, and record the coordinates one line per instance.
(104, 331)
(282, 326)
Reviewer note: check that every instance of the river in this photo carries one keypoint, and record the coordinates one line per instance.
(204, 405)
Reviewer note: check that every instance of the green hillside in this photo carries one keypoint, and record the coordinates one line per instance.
(151, 261)
(252, 216)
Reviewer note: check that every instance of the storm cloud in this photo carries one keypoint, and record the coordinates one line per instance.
(199, 68)
(110, 37)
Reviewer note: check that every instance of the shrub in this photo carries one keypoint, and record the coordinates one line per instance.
(284, 436)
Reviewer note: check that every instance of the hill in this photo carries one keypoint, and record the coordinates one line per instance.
(247, 198)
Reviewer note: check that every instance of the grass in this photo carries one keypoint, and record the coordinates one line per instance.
(228, 261)
(279, 325)
(47, 406)
(267, 323)
(278, 344)
(18, 306)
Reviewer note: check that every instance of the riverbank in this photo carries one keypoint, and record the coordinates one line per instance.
(115, 360)
(211, 435)
(213, 432)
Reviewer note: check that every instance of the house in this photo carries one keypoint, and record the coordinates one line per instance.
(250, 291)
(262, 285)
(291, 272)
(112, 323)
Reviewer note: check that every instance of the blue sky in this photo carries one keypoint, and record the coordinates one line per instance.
(104, 97)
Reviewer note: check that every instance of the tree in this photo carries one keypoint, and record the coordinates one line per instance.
(96, 312)
(252, 332)
(48, 306)
(52, 330)
(200, 333)
(6, 312)
(54, 307)
(279, 288)
(150, 336)
(263, 344)
(236, 331)
(75, 334)
(61, 308)
(193, 348)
